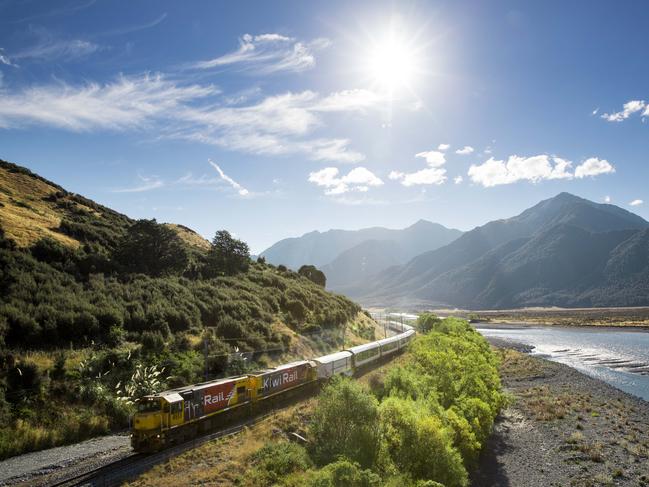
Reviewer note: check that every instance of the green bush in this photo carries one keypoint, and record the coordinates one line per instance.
(344, 473)
(345, 423)
(276, 460)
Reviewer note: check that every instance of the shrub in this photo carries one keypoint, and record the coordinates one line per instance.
(344, 473)
(418, 443)
(345, 423)
(276, 460)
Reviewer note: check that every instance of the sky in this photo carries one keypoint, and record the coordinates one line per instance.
(273, 119)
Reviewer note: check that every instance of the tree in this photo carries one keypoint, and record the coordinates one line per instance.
(345, 423)
(153, 249)
(228, 256)
(313, 274)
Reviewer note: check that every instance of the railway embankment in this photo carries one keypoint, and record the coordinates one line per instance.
(562, 427)
(419, 420)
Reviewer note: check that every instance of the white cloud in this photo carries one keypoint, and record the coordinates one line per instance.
(49, 49)
(593, 167)
(433, 158)
(458, 179)
(148, 183)
(607, 199)
(595, 112)
(395, 175)
(466, 150)
(358, 179)
(432, 175)
(628, 109)
(240, 189)
(268, 53)
(125, 104)
(4, 59)
(275, 125)
(636, 203)
(536, 168)
(443, 147)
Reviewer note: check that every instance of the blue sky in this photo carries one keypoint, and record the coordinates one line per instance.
(272, 119)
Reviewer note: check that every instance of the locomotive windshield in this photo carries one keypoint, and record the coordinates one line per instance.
(148, 406)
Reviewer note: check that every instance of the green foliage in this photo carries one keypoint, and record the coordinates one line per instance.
(227, 256)
(345, 423)
(23, 382)
(313, 274)
(344, 473)
(417, 442)
(276, 460)
(152, 249)
(427, 322)
(144, 381)
(437, 410)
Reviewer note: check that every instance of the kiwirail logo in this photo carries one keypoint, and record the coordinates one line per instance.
(277, 380)
(217, 399)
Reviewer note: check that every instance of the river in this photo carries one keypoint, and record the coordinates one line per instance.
(614, 355)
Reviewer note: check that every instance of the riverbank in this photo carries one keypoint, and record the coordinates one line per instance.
(563, 428)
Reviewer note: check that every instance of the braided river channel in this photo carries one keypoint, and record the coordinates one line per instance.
(614, 355)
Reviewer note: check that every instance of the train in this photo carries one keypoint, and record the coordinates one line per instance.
(180, 414)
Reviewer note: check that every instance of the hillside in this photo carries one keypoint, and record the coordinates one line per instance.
(348, 257)
(84, 305)
(564, 251)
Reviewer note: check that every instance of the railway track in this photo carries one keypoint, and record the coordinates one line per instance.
(115, 473)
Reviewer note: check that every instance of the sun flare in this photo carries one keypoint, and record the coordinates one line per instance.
(392, 64)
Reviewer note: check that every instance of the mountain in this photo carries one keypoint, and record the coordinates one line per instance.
(564, 251)
(347, 256)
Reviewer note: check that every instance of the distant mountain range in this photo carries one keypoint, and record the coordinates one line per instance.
(564, 251)
(349, 257)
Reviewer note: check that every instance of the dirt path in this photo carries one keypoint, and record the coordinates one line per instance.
(564, 429)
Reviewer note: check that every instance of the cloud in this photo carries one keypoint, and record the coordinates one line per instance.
(432, 175)
(125, 104)
(148, 183)
(593, 167)
(358, 179)
(433, 158)
(466, 150)
(636, 203)
(4, 59)
(55, 50)
(536, 168)
(628, 109)
(458, 179)
(268, 53)
(240, 189)
(276, 125)
(607, 199)
(135, 28)
(595, 112)
(443, 147)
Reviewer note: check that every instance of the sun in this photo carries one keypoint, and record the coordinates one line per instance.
(392, 64)
(392, 59)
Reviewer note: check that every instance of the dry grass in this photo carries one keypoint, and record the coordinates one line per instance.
(189, 236)
(517, 365)
(26, 219)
